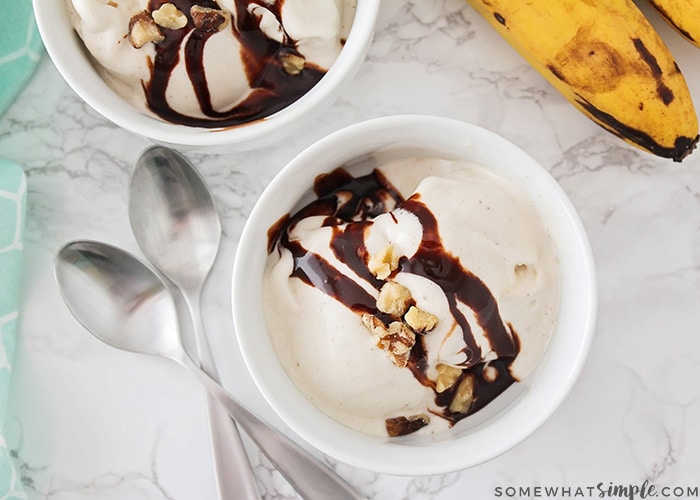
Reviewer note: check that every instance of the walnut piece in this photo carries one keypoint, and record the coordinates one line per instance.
(142, 30)
(168, 16)
(446, 378)
(292, 64)
(464, 395)
(420, 321)
(375, 326)
(209, 20)
(384, 262)
(394, 299)
(396, 340)
(400, 426)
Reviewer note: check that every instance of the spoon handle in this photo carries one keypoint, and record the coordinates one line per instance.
(234, 475)
(308, 476)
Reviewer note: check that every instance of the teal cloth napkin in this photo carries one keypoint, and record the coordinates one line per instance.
(20, 51)
(20, 48)
(13, 189)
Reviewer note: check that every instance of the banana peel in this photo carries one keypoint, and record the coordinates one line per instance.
(609, 62)
(683, 15)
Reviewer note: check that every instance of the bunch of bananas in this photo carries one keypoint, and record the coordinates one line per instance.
(609, 62)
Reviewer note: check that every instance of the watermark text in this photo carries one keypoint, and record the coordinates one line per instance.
(599, 490)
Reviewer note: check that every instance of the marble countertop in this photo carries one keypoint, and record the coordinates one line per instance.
(88, 422)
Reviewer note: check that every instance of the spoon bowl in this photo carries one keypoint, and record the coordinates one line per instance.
(127, 307)
(171, 208)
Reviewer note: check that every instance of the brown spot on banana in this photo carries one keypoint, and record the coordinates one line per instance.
(588, 64)
(682, 147)
(664, 93)
(500, 18)
(556, 73)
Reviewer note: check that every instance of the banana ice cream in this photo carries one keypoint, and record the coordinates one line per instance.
(212, 63)
(409, 298)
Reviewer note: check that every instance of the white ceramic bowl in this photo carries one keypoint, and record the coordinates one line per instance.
(517, 412)
(73, 62)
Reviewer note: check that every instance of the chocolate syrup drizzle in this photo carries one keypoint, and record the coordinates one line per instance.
(272, 87)
(342, 199)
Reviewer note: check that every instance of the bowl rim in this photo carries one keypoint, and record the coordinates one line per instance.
(85, 81)
(543, 392)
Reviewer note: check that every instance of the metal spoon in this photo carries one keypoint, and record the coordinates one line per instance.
(126, 305)
(177, 227)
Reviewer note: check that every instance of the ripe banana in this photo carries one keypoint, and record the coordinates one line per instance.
(683, 15)
(609, 62)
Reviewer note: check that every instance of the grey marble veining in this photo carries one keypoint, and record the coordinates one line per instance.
(87, 422)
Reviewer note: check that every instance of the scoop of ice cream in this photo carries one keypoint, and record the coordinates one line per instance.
(211, 63)
(422, 290)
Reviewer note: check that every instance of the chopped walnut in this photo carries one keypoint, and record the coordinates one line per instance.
(384, 262)
(293, 64)
(143, 29)
(209, 20)
(464, 395)
(446, 378)
(168, 16)
(396, 339)
(375, 326)
(398, 343)
(400, 426)
(394, 299)
(420, 321)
